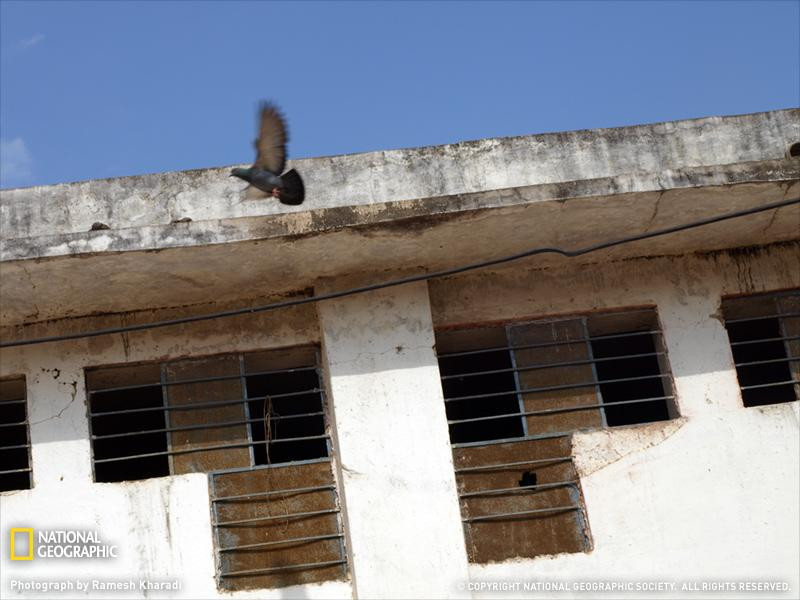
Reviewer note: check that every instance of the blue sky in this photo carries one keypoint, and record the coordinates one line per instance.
(92, 90)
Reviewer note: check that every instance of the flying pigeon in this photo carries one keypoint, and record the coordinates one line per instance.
(265, 174)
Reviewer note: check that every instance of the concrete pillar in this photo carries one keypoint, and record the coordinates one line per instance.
(401, 509)
(59, 431)
(699, 352)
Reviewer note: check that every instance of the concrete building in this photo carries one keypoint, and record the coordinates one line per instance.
(628, 416)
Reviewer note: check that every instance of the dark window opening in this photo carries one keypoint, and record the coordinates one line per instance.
(761, 373)
(554, 376)
(764, 333)
(15, 472)
(274, 505)
(489, 385)
(207, 414)
(284, 413)
(518, 488)
(648, 385)
(120, 426)
(794, 149)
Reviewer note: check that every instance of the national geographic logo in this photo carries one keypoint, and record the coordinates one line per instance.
(26, 535)
(25, 543)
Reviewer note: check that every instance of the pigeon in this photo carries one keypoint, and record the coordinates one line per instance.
(264, 176)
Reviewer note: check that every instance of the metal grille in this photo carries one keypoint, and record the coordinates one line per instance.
(255, 423)
(202, 415)
(764, 333)
(515, 393)
(15, 442)
(277, 526)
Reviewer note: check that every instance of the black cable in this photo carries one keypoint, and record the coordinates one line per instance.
(404, 280)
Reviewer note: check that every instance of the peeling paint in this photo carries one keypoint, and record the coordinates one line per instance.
(596, 450)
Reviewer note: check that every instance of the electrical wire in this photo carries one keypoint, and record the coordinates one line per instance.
(404, 280)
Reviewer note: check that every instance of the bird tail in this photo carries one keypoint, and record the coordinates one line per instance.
(292, 191)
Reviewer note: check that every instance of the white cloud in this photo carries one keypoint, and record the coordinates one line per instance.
(32, 41)
(15, 162)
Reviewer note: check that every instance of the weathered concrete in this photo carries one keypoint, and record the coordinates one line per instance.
(161, 525)
(675, 501)
(401, 175)
(671, 501)
(710, 496)
(428, 207)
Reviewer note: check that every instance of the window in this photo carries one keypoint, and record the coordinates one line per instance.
(764, 333)
(255, 423)
(15, 443)
(514, 394)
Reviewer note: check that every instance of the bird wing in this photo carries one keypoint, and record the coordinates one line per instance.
(272, 138)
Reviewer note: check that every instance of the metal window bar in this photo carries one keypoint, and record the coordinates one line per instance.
(209, 448)
(218, 425)
(524, 438)
(8, 471)
(200, 380)
(748, 370)
(313, 393)
(247, 416)
(514, 369)
(167, 419)
(166, 409)
(768, 385)
(287, 542)
(305, 566)
(287, 492)
(202, 404)
(513, 465)
(14, 447)
(785, 338)
(216, 501)
(664, 375)
(577, 340)
(329, 442)
(778, 315)
(213, 509)
(788, 359)
(518, 490)
(573, 363)
(660, 373)
(286, 517)
(552, 388)
(598, 392)
(9, 466)
(521, 513)
(787, 347)
(561, 409)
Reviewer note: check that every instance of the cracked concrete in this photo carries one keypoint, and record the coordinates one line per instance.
(687, 495)
(432, 207)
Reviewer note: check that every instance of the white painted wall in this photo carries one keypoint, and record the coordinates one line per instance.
(713, 495)
(162, 525)
(402, 513)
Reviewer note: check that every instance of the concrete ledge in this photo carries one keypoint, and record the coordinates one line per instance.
(403, 175)
(408, 215)
(409, 210)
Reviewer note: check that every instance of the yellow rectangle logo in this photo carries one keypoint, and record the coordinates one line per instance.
(14, 532)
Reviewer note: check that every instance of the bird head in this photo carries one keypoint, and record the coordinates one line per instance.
(241, 173)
